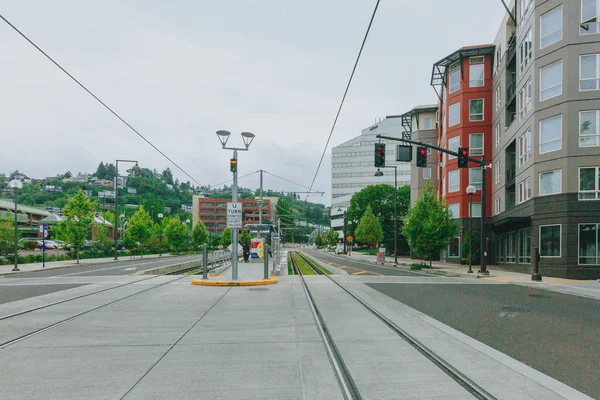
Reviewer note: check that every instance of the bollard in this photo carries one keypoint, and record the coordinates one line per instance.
(266, 259)
(536, 276)
(204, 261)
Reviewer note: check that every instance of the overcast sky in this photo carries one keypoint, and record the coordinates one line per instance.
(180, 70)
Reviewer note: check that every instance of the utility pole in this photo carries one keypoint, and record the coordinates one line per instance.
(260, 201)
(234, 231)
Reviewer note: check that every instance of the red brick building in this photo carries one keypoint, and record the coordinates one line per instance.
(213, 212)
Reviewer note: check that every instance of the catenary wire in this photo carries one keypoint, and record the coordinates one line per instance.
(97, 98)
(292, 182)
(344, 96)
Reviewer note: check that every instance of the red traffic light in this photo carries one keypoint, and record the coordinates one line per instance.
(465, 152)
(381, 148)
(423, 150)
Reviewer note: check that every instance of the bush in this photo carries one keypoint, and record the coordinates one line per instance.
(28, 245)
(417, 266)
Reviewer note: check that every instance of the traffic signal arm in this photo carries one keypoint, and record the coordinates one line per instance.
(431, 146)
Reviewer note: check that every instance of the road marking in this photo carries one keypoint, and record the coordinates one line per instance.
(495, 278)
(359, 273)
(509, 314)
(130, 269)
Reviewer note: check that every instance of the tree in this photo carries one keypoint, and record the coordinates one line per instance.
(245, 237)
(369, 228)
(226, 237)
(140, 228)
(332, 237)
(199, 234)
(79, 214)
(429, 226)
(7, 237)
(319, 240)
(176, 233)
(168, 176)
(101, 171)
(381, 200)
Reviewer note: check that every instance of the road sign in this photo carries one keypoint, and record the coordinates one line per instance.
(350, 239)
(234, 215)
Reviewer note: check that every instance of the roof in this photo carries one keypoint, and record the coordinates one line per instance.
(407, 116)
(10, 205)
(54, 219)
(438, 72)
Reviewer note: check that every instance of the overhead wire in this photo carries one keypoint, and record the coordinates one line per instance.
(231, 180)
(98, 99)
(344, 96)
(292, 182)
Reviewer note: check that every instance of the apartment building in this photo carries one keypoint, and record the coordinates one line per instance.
(213, 212)
(529, 103)
(352, 166)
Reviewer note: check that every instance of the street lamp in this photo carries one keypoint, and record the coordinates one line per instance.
(136, 168)
(380, 173)
(15, 185)
(247, 137)
(340, 210)
(470, 191)
(187, 230)
(160, 217)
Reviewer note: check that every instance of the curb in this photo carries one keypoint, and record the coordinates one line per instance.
(270, 281)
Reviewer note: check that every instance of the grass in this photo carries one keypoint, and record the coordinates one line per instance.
(304, 268)
(290, 270)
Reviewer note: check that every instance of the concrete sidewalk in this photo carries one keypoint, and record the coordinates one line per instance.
(7, 269)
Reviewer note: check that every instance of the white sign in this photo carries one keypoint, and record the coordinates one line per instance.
(234, 215)
(234, 223)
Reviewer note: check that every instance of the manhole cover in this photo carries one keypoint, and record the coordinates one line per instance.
(258, 288)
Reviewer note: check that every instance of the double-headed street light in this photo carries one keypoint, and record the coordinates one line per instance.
(380, 173)
(136, 168)
(247, 137)
(160, 217)
(470, 191)
(15, 185)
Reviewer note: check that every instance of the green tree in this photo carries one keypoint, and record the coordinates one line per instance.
(79, 214)
(226, 237)
(140, 228)
(168, 176)
(245, 237)
(100, 235)
(176, 233)
(332, 237)
(429, 226)
(199, 234)
(7, 237)
(381, 200)
(320, 240)
(101, 171)
(369, 228)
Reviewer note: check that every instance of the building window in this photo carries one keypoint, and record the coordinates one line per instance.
(453, 181)
(454, 81)
(550, 240)
(551, 134)
(589, 9)
(525, 50)
(551, 80)
(426, 173)
(551, 27)
(524, 147)
(454, 114)
(454, 248)
(589, 253)
(475, 210)
(453, 145)
(589, 72)
(476, 144)
(476, 110)
(524, 191)
(427, 123)
(498, 136)
(443, 186)
(525, 7)
(498, 97)
(589, 183)
(497, 173)
(550, 182)
(525, 246)
(454, 209)
(498, 56)
(497, 206)
(589, 134)
(475, 178)
(525, 95)
(476, 75)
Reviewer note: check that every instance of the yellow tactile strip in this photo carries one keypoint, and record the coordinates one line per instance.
(200, 282)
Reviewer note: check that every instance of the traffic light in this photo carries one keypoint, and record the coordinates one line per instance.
(233, 165)
(421, 156)
(379, 155)
(463, 157)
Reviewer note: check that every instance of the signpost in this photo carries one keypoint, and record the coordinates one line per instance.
(44, 232)
(234, 215)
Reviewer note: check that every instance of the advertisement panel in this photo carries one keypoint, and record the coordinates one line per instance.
(257, 246)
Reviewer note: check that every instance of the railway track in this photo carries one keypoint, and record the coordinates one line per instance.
(477, 391)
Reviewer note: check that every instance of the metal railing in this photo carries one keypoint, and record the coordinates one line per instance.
(511, 174)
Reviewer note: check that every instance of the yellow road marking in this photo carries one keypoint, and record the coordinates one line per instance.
(359, 273)
(495, 278)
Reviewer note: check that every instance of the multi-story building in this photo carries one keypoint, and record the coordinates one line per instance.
(213, 212)
(352, 166)
(529, 103)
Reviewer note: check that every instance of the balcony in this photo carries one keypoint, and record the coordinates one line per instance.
(512, 51)
(511, 174)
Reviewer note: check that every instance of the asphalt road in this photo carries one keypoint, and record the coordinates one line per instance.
(354, 267)
(116, 268)
(10, 293)
(555, 333)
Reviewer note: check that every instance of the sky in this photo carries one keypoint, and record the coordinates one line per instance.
(178, 71)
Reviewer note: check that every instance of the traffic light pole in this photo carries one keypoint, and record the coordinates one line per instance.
(482, 246)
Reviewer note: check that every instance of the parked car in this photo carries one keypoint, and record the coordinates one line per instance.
(63, 245)
(51, 245)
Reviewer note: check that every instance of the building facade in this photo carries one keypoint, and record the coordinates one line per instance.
(538, 125)
(352, 166)
(213, 212)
